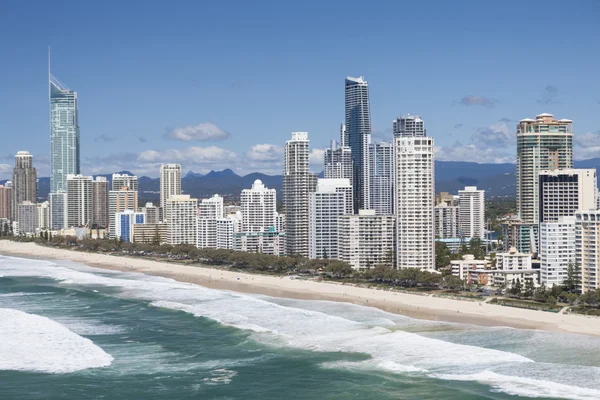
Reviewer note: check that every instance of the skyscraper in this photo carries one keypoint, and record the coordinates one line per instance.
(258, 208)
(543, 143)
(79, 200)
(6, 199)
(170, 182)
(183, 220)
(119, 201)
(209, 211)
(564, 191)
(338, 162)
(120, 181)
(471, 206)
(100, 202)
(64, 134)
(414, 194)
(381, 170)
(58, 210)
(297, 183)
(358, 132)
(24, 182)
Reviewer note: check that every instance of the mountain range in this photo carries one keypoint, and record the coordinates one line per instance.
(498, 180)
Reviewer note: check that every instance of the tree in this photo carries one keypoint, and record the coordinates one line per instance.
(516, 288)
(551, 301)
(529, 288)
(442, 255)
(573, 279)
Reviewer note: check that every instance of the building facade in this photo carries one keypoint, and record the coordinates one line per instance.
(557, 250)
(446, 221)
(259, 208)
(209, 211)
(64, 135)
(587, 248)
(119, 201)
(152, 213)
(6, 199)
(120, 181)
(338, 162)
(24, 181)
(381, 170)
(562, 192)
(58, 211)
(28, 218)
(170, 182)
(358, 132)
(183, 220)
(124, 224)
(543, 144)
(79, 200)
(43, 218)
(100, 202)
(414, 194)
(471, 205)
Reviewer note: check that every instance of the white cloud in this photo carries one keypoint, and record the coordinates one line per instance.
(316, 161)
(265, 152)
(194, 154)
(478, 101)
(202, 132)
(4, 168)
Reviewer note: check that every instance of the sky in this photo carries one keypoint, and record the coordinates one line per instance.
(214, 85)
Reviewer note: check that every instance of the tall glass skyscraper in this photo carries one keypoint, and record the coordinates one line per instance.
(358, 132)
(64, 135)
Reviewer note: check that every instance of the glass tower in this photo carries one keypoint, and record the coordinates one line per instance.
(64, 135)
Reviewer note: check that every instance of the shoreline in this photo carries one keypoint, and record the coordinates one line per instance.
(410, 305)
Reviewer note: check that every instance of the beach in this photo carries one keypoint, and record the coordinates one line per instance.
(415, 306)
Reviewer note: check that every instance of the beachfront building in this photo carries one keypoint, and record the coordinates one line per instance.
(513, 266)
(446, 221)
(414, 194)
(58, 210)
(471, 206)
(24, 181)
(366, 240)
(381, 179)
(259, 208)
(79, 200)
(150, 233)
(226, 229)
(209, 211)
(562, 192)
(43, 218)
(170, 182)
(557, 250)
(6, 202)
(587, 248)
(270, 242)
(183, 220)
(120, 200)
(331, 199)
(28, 218)
(100, 203)
(471, 270)
(152, 213)
(521, 235)
(124, 224)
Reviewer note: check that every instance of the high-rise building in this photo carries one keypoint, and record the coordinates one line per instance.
(6, 199)
(298, 182)
(124, 224)
(170, 182)
(119, 201)
(43, 215)
(64, 135)
(331, 199)
(209, 211)
(471, 206)
(100, 202)
(446, 221)
(381, 168)
(24, 181)
(338, 162)
(587, 248)
(79, 200)
(58, 211)
(414, 194)
(358, 132)
(226, 229)
(280, 222)
(564, 191)
(120, 181)
(183, 219)
(543, 143)
(152, 213)
(520, 235)
(557, 250)
(447, 198)
(366, 240)
(28, 217)
(259, 208)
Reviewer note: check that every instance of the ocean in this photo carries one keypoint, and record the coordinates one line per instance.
(68, 331)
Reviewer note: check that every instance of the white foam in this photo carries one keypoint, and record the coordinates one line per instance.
(31, 342)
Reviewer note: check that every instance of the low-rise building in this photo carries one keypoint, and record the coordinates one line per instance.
(155, 233)
(124, 222)
(462, 268)
(272, 243)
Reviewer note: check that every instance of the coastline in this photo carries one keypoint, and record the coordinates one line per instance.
(410, 305)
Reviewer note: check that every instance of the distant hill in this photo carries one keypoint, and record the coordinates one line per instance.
(450, 176)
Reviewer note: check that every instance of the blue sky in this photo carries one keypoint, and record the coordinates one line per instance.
(239, 77)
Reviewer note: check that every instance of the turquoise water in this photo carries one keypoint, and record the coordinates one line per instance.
(68, 331)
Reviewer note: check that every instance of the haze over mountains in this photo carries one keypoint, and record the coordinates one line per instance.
(450, 176)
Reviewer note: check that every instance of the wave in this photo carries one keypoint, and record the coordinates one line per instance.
(30, 342)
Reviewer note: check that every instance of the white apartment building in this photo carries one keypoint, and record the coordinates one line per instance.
(271, 243)
(152, 213)
(58, 210)
(471, 206)
(226, 229)
(462, 268)
(170, 182)
(124, 224)
(557, 250)
(183, 220)
(43, 218)
(28, 218)
(120, 181)
(332, 198)
(512, 266)
(119, 201)
(562, 192)
(280, 222)
(366, 239)
(209, 211)
(587, 248)
(79, 200)
(259, 208)
(446, 221)
(338, 162)
(381, 180)
(414, 195)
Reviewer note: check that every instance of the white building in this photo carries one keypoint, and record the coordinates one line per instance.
(381, 180)
(332, 198)
(100, 203)
(587, 248)
(79, 200)
(471, 206)
(152, 213)
(280, 222)
(124, 224)
(463, 268)
(366, 239)
(209, 211)
(58, 211)
(119, 201)
(271, 243)
(258, 208)
(226, 229)
(338, 162)
(183, 220)
(414, 195)
(557, 250)
(170, 182)
(565, 191)
(120, 181)
(446, 221)
(43, 218)
(28, 218)
(514, 266)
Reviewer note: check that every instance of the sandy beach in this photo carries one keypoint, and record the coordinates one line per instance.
(416, 306)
